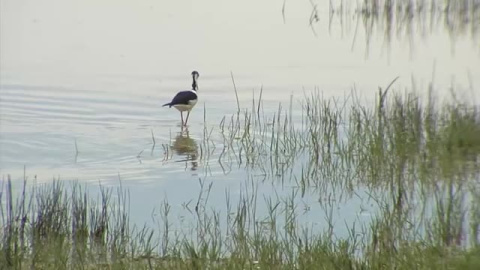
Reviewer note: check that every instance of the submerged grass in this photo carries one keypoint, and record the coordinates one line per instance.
(418, 160)
(401, 20)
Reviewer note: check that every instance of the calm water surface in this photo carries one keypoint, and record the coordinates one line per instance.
(82, 83)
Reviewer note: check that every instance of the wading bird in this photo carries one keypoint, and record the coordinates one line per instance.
(185, 100)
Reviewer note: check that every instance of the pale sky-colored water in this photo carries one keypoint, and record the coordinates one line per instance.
(69, 41)
(95, 73)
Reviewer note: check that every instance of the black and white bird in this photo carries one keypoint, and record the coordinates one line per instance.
(186, 100)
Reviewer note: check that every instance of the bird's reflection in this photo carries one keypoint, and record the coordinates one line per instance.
(186, 147)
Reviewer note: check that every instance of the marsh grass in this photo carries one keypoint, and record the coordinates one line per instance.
(417, 158)
(403, 20)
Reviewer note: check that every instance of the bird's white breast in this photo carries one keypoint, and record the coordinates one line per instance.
(186, 107)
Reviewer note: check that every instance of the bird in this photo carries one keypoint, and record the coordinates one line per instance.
(185, 100)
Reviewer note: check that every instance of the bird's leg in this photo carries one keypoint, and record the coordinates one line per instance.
(188, 114)
(181, 115)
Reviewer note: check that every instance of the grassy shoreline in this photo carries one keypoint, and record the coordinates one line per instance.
(418, 159)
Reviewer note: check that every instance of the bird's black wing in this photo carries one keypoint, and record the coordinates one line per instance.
(182, 97)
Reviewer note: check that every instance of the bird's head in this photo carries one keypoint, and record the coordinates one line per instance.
(195, 75)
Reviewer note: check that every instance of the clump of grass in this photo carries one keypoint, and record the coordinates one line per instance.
(51, 226)
(345, 143)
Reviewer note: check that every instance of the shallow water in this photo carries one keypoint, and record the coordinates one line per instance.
(82, 85)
